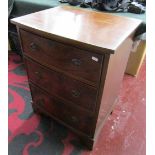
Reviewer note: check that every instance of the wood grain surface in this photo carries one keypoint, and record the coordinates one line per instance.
(96, 30)
(75, 59)
(62, 86)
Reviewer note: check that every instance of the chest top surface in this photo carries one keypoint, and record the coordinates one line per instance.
(98, 29)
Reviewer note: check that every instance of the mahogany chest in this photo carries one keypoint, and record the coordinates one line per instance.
(75, 61)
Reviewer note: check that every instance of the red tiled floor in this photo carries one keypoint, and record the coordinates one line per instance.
(124, 132)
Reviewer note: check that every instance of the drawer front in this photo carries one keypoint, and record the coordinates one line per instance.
(62, 86)
(73, 61)
(70, 116)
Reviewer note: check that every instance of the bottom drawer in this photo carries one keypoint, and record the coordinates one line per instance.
(73, 117)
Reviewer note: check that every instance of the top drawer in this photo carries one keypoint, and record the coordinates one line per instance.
(70, 60)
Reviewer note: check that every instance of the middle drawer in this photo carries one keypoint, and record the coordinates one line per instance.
(62, 86)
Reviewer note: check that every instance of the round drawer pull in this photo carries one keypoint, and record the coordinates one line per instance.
(74, 119)
(38, 74)
(75, 93)
(33, 46)
(76, 62)
(40, 102)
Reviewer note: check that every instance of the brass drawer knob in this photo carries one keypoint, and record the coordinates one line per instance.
(40, 102)
(38, 74)
(74, 119)
(33, 46)
(75, 93)
(76, 62)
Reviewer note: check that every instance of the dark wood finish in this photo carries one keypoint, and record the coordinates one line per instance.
(55, 107)
(69, 59)
(75, 60)
(62, 86)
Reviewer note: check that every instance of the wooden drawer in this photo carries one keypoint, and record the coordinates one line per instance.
(62, 86)
(54, 107)
(73, 61)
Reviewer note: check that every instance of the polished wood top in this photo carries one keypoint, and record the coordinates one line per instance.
(96, 30)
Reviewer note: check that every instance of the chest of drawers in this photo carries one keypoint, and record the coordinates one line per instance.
(75, 61)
